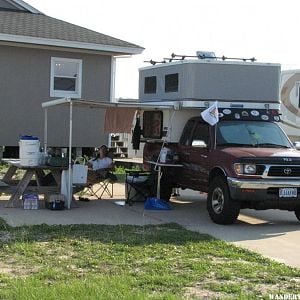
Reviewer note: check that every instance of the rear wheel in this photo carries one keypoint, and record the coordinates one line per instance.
(297, 213)
(221, 208)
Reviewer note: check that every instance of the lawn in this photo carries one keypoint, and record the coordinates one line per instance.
(132, 262)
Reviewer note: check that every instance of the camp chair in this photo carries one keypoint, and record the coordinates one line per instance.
(99, 184)
(139, 185)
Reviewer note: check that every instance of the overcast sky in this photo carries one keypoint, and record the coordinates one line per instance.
(264, 29)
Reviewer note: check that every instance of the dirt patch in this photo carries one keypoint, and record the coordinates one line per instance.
(199, 293)
(17, 271)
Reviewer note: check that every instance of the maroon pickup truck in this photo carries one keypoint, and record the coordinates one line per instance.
(240, 162)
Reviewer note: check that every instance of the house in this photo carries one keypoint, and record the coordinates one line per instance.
(43, 58)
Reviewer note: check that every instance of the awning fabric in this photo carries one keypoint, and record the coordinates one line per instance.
(118, 119)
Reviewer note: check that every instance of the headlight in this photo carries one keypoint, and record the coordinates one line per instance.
(250, 169)
(245, 169)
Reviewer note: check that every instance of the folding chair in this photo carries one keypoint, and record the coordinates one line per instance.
(99, 188)
(139, 186)
(97, 185)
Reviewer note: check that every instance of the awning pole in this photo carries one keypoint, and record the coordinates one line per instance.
(70, 191)
(46, 131)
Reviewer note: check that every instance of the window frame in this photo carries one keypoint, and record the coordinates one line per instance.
(153, 124)
(78, 78)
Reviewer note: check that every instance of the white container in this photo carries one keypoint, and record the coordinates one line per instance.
(163, 155)
(29, 151)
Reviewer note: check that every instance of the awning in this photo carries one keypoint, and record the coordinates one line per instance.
(119, 119)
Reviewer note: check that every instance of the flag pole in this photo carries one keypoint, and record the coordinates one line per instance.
(215, 142)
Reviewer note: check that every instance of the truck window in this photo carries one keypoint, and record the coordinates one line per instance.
(251, 134)
(186, 134)
(201, 133)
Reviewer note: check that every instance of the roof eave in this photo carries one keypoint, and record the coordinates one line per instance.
(27, 6)
(70, 44)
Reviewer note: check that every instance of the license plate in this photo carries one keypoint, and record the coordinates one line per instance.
(288, 193)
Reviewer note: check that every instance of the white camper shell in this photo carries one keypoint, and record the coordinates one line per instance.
(210, 80)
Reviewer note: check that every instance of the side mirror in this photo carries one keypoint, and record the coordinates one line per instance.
(297, 145)
(199, 144)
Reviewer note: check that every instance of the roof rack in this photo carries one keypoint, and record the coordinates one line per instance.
(200, 55)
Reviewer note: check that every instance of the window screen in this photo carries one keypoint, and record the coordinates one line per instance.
(171, 83)
(150, 85)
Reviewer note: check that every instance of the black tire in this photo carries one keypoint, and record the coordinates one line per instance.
(221, 208)
(297, 213)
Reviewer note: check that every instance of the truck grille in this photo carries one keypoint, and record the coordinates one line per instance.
(284, 171)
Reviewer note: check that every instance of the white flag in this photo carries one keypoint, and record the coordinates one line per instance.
(211, 114)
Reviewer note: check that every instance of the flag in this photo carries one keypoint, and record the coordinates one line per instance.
(211, 114)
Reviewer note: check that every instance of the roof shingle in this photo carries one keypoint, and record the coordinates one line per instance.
(42, 26)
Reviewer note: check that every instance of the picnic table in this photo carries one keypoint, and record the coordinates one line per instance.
(32, 179)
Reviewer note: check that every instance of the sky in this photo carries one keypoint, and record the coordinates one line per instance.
(265, 29)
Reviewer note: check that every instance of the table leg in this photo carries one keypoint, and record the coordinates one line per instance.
(7, 178)
(158, 183)
(39, 175)
(14, 200)
(57, 176)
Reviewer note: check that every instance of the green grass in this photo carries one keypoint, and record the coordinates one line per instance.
(132, 262)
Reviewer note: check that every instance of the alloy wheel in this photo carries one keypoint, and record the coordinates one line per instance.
(217, 200)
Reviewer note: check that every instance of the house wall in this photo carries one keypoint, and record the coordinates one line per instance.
(25, 84)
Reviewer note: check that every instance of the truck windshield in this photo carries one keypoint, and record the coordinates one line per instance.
(251, 134)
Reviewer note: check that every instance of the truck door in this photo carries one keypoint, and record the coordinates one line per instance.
(194, 152)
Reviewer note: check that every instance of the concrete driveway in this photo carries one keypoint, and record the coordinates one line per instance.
(274, 234)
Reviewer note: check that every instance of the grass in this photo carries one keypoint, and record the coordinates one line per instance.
(132, 262)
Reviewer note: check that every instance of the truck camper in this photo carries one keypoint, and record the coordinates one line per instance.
(220, 130)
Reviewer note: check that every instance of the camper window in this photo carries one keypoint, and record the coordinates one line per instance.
(171, 83)
(152, 124)
(150, 85)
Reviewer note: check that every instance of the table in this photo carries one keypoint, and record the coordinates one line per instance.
(160, 166)
(27, 182)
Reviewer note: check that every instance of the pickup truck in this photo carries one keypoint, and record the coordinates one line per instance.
(241, 162)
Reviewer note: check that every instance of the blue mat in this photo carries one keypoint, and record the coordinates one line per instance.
(156, 204)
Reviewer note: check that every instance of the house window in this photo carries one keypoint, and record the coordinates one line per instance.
(150, 85)
(66, 75)
(171, 83)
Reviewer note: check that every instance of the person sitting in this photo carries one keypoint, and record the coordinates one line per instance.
(100, 167)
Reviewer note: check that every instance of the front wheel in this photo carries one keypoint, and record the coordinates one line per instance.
(221, 208)
(297, 213)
